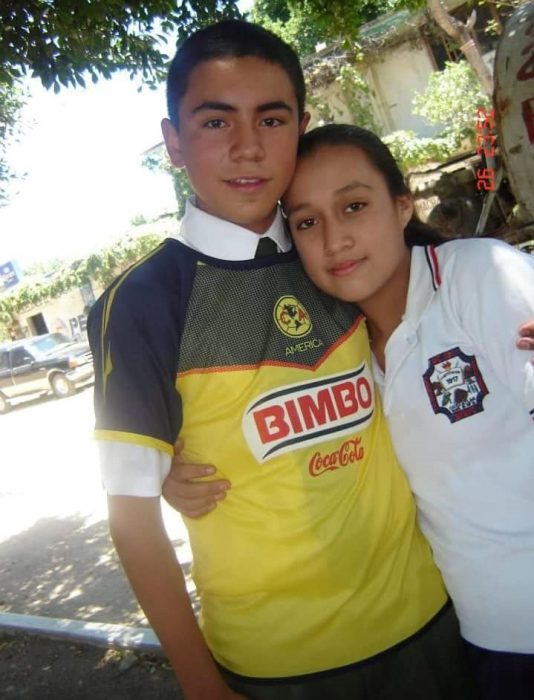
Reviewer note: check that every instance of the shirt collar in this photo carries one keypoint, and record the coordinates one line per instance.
(224, 240)
(424, 281)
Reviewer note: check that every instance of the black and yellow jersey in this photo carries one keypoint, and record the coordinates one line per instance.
(314, 560)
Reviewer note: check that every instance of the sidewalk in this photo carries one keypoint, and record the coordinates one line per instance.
(57, 563)
(67, 568)
(62, 577)
(90, 639)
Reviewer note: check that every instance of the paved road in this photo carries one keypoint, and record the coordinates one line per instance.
(56, 558)
(48, 463)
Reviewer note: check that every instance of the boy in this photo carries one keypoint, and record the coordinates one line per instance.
(315, 568)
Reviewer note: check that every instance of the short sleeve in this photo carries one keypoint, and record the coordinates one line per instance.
(134, 338)
(494, 294)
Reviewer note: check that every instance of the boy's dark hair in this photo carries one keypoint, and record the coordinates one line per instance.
(416, 232)
(230, 39)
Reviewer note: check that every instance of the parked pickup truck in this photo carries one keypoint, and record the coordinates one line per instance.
(41, 364)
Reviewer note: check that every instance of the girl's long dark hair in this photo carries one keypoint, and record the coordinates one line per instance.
(416, 232)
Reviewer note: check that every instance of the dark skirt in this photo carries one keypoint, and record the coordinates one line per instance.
(502, 675)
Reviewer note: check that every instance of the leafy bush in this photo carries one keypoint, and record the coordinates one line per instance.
(410, 150)
(103, 267)
(451, 100)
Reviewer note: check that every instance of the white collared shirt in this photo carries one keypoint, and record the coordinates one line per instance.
(133, 470)
(458, 397)
(224, 240)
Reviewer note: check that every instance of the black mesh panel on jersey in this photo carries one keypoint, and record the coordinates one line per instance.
(230, 319)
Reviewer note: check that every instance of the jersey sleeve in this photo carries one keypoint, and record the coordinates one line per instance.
(493, 288)
(134, 333)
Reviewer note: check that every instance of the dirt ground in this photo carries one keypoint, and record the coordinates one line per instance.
(35, 668)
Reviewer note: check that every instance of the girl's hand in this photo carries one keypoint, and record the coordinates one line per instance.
(185, 492)
(525, 340)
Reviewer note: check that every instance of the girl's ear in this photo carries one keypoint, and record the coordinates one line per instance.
(172, 142)
(405, 208)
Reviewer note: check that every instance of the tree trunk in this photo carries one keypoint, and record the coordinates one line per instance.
(460, 33)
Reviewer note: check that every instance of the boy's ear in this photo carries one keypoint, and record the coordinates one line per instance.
(405, 208)
(304, 123)
(172, 142)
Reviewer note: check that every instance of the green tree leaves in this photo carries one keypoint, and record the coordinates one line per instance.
(305, 23)
(62, 42)
(451, 100)
(11, 102)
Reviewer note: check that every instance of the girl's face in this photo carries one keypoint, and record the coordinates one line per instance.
(347, 228)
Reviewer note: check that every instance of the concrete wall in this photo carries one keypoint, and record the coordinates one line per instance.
(395, 77)
(337, 107)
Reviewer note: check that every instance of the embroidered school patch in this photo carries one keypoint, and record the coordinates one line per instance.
(455, 385)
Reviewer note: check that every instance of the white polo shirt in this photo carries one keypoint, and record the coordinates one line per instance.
(459, 400)
(133, 470)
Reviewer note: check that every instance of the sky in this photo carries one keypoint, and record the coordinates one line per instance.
(81, 152)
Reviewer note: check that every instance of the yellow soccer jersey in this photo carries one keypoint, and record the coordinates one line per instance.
(314, 560)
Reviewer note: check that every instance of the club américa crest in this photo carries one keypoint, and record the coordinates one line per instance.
(291, 317)
(455, 385)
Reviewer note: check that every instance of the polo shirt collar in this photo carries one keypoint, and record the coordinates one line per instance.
(425, 279)
(224, 240)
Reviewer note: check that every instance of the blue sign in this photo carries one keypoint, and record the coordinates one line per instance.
(9, 274)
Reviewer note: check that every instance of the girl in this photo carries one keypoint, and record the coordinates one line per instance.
(458, 397)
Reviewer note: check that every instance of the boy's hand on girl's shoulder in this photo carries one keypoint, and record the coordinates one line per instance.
(525, 340)
(183, 490)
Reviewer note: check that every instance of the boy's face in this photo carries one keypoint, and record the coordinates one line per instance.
(237, 139)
